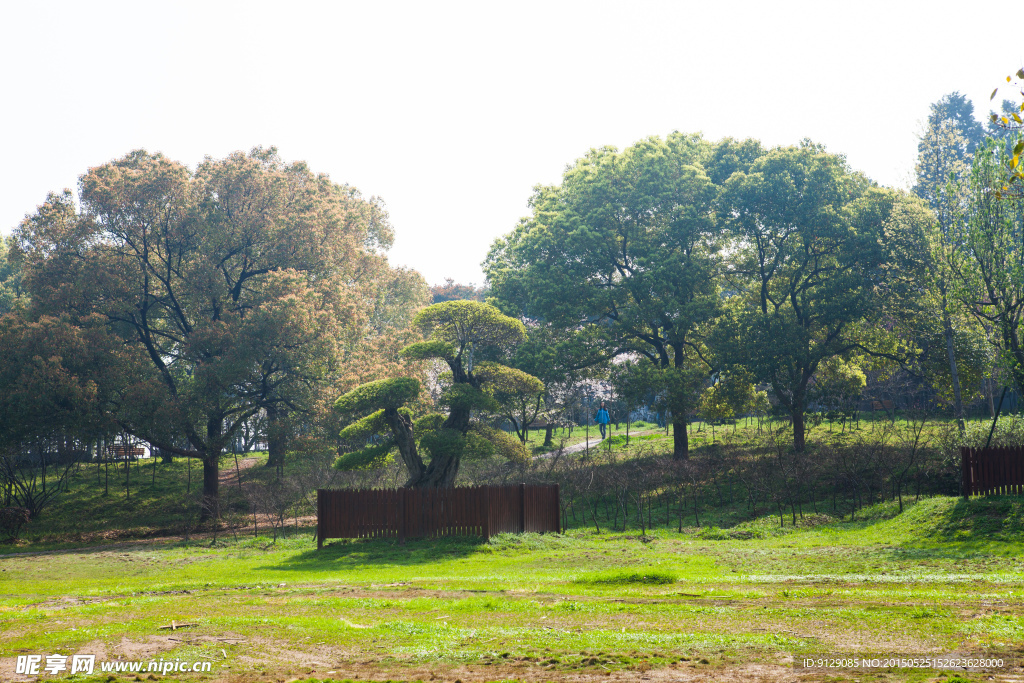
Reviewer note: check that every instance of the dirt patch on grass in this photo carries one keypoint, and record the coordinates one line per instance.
(229, 475)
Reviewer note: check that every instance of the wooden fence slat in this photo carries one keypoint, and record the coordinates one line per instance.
(992, 471)
(476, 511)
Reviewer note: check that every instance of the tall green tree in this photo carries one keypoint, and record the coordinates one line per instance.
(956, 111)
(626, 245)
(817, 255)
(56, 377)
(989, 270)
(12, 294)
(228, 286)
(562, 359)
(943, 162)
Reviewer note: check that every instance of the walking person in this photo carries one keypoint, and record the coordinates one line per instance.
(602, 418)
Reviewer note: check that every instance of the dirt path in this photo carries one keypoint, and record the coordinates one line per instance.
(229, 476)
(594, 443)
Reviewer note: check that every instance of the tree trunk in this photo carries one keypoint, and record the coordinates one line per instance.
(275, 437)
(958, 404)
(798, 429)
(443, 467)
(401, 428)
(440, 473)
(548, 435)
(211, 471)
(680, 441)
(991, 385)
(211, 488)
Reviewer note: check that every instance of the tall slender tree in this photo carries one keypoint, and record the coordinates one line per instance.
(989, 270)
(943, 161)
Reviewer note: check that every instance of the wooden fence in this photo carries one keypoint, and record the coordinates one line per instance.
(992, 471)
(409, 513)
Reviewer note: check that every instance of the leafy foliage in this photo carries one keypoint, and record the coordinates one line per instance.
(368, 457)
(461, 323)
(1012, 124)
(426, 350)
(382, 394)
(626, 245)
(364, 428)
(456, 329)
(235, 289)
(811, 238)
(989, 269)
(453, 291)
(12, 294)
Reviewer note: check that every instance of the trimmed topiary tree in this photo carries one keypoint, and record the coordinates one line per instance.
(382, 422)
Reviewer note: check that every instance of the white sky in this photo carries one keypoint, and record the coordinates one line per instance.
(452, 112)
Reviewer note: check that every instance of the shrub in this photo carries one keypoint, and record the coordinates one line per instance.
(11, 522)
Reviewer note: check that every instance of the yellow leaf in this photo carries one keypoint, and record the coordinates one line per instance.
(1014, 162)
(1005, 120)
(1016, 118)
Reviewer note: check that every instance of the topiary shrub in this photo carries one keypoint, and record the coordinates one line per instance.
(382, 394)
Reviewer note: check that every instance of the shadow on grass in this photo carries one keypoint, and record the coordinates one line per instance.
(948, 527)
(349, 553)
(993, 524)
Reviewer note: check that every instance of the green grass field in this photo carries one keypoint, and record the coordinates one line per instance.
(738, 598)
(743, 603)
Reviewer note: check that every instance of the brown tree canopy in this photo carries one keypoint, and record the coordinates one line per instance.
(241, 287)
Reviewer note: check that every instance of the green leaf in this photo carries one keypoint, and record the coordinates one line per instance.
(993, 96)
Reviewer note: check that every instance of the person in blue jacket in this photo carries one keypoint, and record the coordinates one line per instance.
(602, 418)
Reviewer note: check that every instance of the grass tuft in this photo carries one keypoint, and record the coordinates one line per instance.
(622, 577)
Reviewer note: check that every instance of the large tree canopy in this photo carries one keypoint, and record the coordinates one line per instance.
(231, 287)
(819, 257)
(627, 243)
(702, 256)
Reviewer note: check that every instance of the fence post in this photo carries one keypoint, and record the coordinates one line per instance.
(401, 516)
(558, 512)
(486, 498)
(319, 519)
(965, 472)
(522, 508)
